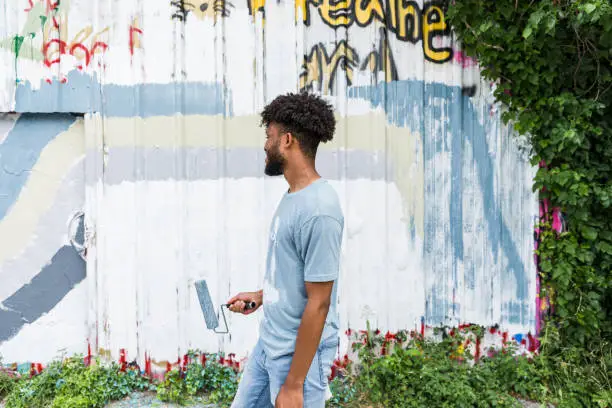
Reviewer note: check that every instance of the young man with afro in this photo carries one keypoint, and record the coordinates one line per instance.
(292, 359)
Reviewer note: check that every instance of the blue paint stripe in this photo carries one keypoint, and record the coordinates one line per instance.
(21, 149)
(83, 93)
(43, 293)
(416, 105)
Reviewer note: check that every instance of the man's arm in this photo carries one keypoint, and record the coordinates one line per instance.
(309, 332)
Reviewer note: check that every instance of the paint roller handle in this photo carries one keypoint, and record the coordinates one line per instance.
(247, 305)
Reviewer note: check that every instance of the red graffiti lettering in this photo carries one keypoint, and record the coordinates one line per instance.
(134, 42)
(48, 44)
(76, 46)
(76, 49)
(51, 5)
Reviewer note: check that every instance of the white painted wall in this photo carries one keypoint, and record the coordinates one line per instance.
(167, 165)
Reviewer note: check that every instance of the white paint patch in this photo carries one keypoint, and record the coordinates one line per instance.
(60, 332)
(155, 238)
(7, 121)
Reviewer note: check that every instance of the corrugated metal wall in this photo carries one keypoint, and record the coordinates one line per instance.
(134, 166)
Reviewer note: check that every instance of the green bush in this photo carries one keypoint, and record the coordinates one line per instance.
(213, 379)
(7, 382)
(72, 383)
(421, 373)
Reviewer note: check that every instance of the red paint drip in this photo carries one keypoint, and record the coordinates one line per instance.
(504, 339)
(533, 343)
(147, 365)
(87, 359)
(39, 368)
(422, 328)
(133, 30)
(492, 330)
(168, 367)
(477, 352)
(203, 360)
(122, 359)
(185, 362)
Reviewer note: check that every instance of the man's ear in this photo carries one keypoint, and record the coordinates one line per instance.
(288, 139)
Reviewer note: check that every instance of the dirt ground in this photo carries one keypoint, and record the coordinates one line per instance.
(148, 400)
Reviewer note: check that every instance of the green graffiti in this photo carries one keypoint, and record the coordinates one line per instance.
(17, 43)
(43, 20)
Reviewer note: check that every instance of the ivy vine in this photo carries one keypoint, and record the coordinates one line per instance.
(551, 61)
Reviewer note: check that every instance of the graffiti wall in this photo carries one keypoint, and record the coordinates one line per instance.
(134, 166)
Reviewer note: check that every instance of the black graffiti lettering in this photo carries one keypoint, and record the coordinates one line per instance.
(320, 67)
(381, 60)
(407, 26)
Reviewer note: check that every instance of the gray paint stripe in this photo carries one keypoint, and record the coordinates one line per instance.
(206, 163)
(46, 290)
(48, 235)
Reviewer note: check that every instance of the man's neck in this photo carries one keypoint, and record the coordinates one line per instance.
(300, 177)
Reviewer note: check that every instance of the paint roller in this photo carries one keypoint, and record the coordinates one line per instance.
(208, 310)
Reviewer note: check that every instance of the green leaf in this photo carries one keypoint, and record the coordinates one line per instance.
(527, 32)
(589, 8)
(589, 233)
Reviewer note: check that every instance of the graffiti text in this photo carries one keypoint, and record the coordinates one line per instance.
(320, 67)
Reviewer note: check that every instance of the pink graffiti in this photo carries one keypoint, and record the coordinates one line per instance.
(460, 58)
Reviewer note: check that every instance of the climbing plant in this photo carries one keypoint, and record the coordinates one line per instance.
(551, 61)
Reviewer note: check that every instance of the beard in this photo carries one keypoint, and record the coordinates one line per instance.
(276, 163)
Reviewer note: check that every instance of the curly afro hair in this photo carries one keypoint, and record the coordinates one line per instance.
(307, 116)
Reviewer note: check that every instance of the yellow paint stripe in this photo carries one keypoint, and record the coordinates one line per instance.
(363, 132)
(368, 132)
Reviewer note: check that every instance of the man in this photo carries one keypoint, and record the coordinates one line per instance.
(299, 333)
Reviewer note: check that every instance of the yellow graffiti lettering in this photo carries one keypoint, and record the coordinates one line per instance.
(302, 6)
(405, 18)
(368, 10)
(336, 13)
(434, 23)
(256, 5)
(407, 23)
(321, 69)
(76, 46)
(57, 24)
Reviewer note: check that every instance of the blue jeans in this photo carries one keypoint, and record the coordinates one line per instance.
(263, 377)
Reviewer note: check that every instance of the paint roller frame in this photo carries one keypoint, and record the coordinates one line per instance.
(208, 310)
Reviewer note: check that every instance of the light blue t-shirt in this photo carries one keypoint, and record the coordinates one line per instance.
(304, 246)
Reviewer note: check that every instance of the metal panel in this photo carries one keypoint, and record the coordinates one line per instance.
(436, 191)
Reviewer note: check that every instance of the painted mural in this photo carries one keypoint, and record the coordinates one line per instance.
(132, 165)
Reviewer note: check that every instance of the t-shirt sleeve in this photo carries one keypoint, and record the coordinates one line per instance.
(320, 239)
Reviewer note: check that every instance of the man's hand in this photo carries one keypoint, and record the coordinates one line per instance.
(290, 396)
(238, 302)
